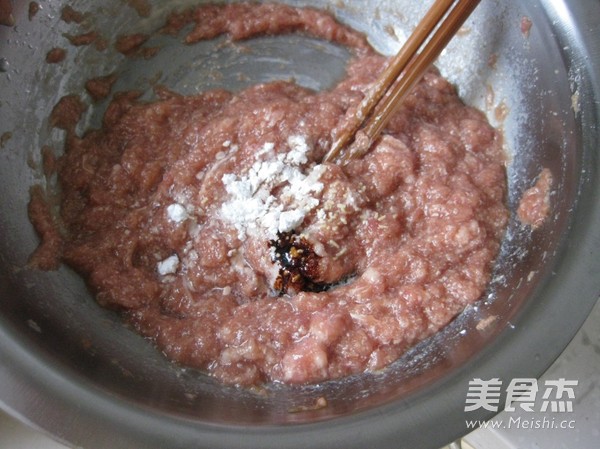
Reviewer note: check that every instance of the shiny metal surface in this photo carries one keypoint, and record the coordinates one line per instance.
(71, 368)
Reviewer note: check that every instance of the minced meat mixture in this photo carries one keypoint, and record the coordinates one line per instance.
(211, 223)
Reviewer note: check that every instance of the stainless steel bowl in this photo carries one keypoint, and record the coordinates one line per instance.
(71, 368)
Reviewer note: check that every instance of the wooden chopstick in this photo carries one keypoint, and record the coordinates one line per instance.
(400, 76)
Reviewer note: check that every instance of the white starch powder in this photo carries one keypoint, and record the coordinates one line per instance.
(252, 207)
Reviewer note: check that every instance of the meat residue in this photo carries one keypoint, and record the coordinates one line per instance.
(131, 43)
(534, 207)
(47, 254)
(211, 224)
(526, 25)
(34, 8)
(70, 15)
(4, 138)
(56, 55)
(67, 112)
(6, 13)
(82, 39)
(99, 88)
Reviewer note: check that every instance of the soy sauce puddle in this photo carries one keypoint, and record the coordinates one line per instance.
(298, 265)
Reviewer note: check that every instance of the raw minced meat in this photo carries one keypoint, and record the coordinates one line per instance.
(210, 221)
(534, 206)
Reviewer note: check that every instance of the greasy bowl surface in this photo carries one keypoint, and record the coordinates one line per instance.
(73, 369)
